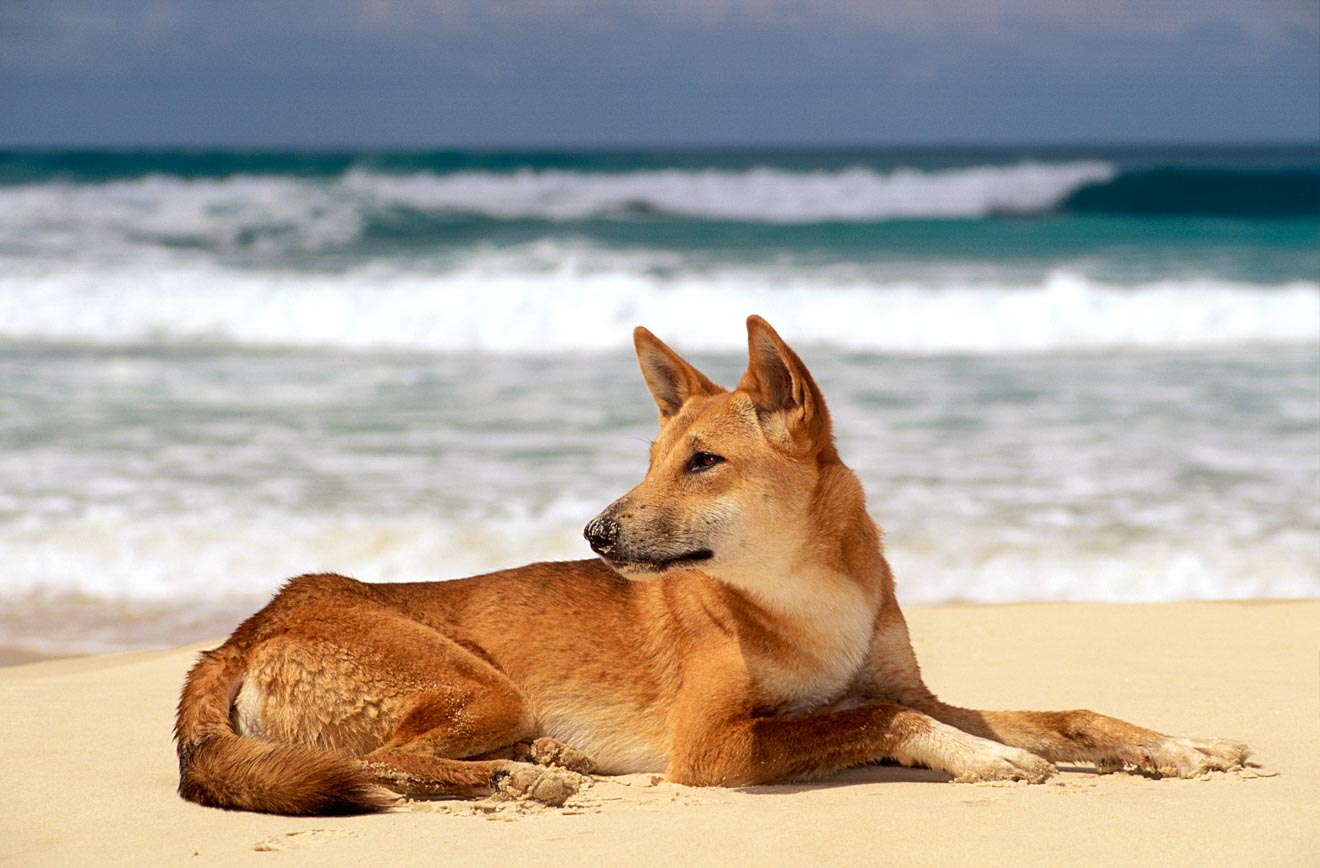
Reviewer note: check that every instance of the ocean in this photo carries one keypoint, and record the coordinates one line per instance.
(1062, 374)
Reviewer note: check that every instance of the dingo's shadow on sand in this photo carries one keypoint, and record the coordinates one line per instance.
(887, 773)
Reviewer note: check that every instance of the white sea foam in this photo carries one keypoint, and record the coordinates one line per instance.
(320, 213)
(86, 585)
(97, 586)
(493, 305)
(137, 216)
(155, 496)
(153, 561)
(761, 194)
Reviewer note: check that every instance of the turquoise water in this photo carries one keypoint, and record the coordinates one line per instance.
(1123, 214)
(1080, 375)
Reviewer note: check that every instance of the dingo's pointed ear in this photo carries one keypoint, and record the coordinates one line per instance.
(670, 379)
(783, 389)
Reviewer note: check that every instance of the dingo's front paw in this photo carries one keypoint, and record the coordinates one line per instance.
(1179, 757)
(1003, 763)
(969, 758)
(549, 785)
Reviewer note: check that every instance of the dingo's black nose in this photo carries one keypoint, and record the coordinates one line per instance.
(602, 533)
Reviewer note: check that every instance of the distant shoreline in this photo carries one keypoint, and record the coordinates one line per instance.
(10, 656)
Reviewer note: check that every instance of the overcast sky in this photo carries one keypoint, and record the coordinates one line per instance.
(523, 73)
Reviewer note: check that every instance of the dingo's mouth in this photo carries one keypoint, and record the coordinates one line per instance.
(683, 560)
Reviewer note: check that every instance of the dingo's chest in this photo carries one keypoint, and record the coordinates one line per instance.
(830, 645)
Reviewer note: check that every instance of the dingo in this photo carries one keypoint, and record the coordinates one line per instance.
(740, 627)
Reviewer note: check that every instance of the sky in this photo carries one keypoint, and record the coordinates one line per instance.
(620, 73)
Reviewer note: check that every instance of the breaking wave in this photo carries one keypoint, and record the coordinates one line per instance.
(497, 304)
(330, 211)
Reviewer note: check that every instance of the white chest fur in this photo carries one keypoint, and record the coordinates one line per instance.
(832, 627)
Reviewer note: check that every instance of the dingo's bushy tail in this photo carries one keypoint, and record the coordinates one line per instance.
(222, 769)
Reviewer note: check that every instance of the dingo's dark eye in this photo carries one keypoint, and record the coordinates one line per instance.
(703, 461)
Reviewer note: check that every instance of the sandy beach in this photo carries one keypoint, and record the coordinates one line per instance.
(89, 773)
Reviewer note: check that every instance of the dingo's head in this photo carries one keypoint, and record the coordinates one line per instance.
(741, 483)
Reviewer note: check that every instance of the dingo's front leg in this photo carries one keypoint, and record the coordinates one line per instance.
(760, 750)
(968, 758)
(1110, 743)
(1079, 735)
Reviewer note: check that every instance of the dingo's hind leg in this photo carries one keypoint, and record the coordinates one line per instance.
(442, 747)
(545, 751)
(424, 715)
(447, 741)
(422, 777)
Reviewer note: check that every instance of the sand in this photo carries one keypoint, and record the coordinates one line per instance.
(89, 772)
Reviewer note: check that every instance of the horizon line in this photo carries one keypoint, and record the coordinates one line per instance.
(663, 147)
